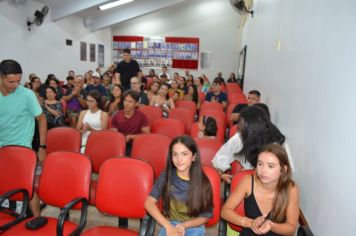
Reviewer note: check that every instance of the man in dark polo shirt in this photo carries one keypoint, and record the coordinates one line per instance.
(216, 95)
(126, 69)
(130, 121)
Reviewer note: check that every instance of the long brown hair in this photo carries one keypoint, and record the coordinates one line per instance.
(199, 197)
(285, 182)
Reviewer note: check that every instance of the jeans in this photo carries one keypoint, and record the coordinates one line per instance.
(195, 231)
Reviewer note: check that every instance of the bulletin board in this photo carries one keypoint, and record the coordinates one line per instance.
(155, 52)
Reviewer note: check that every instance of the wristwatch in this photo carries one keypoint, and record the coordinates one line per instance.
(43, 146)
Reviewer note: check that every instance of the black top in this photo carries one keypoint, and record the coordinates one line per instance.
(253, 211)
(127, 71)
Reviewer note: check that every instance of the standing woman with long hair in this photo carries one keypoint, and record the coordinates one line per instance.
(271, 198)
(185, 191)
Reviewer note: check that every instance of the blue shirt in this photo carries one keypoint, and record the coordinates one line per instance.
(100, 88)
(17, 117)
(221, 97)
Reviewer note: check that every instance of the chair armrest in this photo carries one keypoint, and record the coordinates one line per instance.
(147, 226)
(304, 230)
(18, 217)
(65, 212)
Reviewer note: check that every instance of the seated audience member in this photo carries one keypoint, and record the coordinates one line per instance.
(176, 97)
(204, 84)
(36, 85)
(165, 74)
(176, 76)
(253, 97)
(174, 88)
(92, 119)
(152, 73)
(192, 95)
(136, 86)
(97, 86)
(163, 79)
(152, 90)
(142, 78)
(186, 73)
(88, 80)
(234, 116)
(163, 100)
(53, 82)
(75, 98)
(232, 78)
(190, 80)
(115, 104)
(270, 196)
(107, 82)
(70, 82)
(220, 78)
(255, 131)
(207, 128)
(216, 95)
(182, 84)
(185, 191)
(130, 121)
(71, 73)
(52, 109)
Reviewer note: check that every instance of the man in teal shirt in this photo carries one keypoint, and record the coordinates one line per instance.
(18, 109)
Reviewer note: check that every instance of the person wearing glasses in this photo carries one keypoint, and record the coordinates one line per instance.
(92, 119)
(136, 86)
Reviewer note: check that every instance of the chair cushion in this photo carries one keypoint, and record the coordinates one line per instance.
(5, 218)
(107, 230)
(48, 230)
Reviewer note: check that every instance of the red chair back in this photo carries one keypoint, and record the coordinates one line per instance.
(207, 148)
(211, 106)
(240, 208)
(190, 105)
(169, 127)
(219, 117)
(233, 88)
(65, 177)
(17, 169)
(152, 148)
(152, 113)
(236, 98)
(123, 186)
(63, 139)
(184, 115)
(214, 179)
(229, 110)
(233, 130)
(194, 132)
(103, 145)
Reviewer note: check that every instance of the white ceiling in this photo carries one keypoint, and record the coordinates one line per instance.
(96, 19)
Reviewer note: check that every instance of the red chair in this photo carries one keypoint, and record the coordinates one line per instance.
(152, 148)
(101, 146)
(233, 88)
(184, 115)
(207, 148)
(214, 179)
(219, 117)
(169, 127)
(123, 186)
(236, 98)
(233, 130)
(63, 139)
(152, 113)
(236, 167)
(201, 96)
(190, 105)
(240, 208)
(194, 132)
(229, 110)
(17, 172)
(64, 183)
(211, 106)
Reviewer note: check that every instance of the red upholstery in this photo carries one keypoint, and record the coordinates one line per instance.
(22, 162)
(48, 229)
(65, 176)
(169, 127)
(207, 148)
(152, 148)
(220, 135)
(184, 115)
(233, 88)
(235, 98)
(190, 105)
(229, 110)
(233, 130)
(214, 178)
(63, 139)
(122, 192)
(152, 113)
(211, 106)
(240, 208)
(236, 167)
(201, 96)
(103, 145)
(5, 218)
(219, 116)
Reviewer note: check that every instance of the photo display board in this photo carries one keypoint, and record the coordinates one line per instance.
(155, 52)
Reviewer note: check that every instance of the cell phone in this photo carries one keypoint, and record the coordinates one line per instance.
(36, 223)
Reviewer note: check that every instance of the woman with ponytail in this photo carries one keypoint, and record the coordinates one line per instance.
(271, 198)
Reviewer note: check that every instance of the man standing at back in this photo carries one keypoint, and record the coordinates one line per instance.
(18, 109)
(126, 69)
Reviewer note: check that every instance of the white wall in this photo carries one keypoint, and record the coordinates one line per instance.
(42, 50)
(310, 87)
(213, 21)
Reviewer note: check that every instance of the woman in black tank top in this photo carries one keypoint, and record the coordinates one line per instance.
(271, 198)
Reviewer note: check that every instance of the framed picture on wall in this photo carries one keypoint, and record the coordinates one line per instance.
(101, 55)
(92, 52)
(83, 51)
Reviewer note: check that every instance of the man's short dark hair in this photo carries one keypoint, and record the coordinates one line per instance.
(126, 50)
(135, 96)
(70, 78)
(255, 92)
(217, 81)
(9, 66)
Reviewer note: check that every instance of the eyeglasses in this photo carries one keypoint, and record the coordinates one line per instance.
(91, 101)
(133, 83)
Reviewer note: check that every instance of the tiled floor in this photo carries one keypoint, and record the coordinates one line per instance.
(95, 218)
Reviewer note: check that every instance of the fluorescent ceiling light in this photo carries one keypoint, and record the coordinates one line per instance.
(114, 4)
